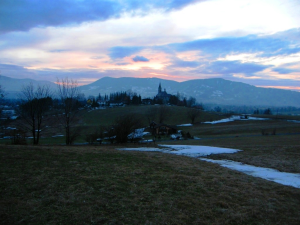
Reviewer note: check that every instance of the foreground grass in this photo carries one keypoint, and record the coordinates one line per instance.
(281, 152)
(99, 185)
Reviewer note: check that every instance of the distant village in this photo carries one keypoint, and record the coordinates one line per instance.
(123, 98)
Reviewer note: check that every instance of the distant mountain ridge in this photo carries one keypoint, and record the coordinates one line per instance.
(212, 91)
(12, 86)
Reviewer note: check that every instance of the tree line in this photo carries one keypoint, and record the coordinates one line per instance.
(39, 107)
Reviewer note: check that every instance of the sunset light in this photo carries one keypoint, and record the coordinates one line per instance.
(254, 42)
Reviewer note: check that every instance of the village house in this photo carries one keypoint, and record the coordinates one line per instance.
(165, 129)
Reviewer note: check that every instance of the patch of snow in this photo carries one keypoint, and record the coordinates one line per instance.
(59, 135)
(138, 133)
(294, 121)
(196, 151)
(10, 128)
(7, 137)
(93, 87)
(185, 125)
(146, 141)
(175, 136)
(290, 179)
(187, 150)
(142, 149)
(217, 93)
(255, 118)
(234, 118)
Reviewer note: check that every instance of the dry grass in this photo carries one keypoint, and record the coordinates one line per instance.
(99, 185)
(281, 152)
(178, 115)
(248, 127)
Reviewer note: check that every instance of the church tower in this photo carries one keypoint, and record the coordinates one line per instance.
(159, 88)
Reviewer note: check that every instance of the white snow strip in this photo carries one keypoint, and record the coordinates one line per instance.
(294, 121)
(142, 149)
(59, 135)
(187, 150)
(185, 125)
(289, 179)
(196, 151)
(233, 118)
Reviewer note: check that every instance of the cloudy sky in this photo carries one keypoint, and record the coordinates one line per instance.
(251, 41)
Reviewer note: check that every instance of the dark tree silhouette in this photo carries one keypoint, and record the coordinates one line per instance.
(35, 102)
(193, 114)
(125, 125)
(151, 114)
(68, 93)
(268, 112)
(163, 113)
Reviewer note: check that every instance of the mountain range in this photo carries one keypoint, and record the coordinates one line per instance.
(213, 91)
(12, 86)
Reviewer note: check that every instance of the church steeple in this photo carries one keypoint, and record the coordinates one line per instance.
(159, 88)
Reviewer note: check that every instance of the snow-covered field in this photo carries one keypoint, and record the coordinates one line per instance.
(290, 179)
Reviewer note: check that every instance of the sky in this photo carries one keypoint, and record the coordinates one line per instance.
(250, 41)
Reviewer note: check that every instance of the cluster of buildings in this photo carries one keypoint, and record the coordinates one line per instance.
(161, 97)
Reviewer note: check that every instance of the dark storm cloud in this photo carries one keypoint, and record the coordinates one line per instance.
(22, 15)
(121, 52)
(232, 67)
(140, 59)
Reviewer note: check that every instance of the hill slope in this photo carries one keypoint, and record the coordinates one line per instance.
(216, 90)
(12, 86)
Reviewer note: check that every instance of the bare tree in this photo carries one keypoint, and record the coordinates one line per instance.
(191, 102)
(1, 97)
(35, 103)
(68, 93)
(163, 112)
(151, 114)
(125, 125)
(193, 114)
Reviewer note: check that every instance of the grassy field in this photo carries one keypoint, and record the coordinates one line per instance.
(100, 185)
(54, 184)
(242, 127)
(178, 115)
(280, 152)
(93, 120)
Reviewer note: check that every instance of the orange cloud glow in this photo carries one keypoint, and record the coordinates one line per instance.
(291, 88)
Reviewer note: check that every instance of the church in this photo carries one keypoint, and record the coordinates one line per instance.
(162, 96)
